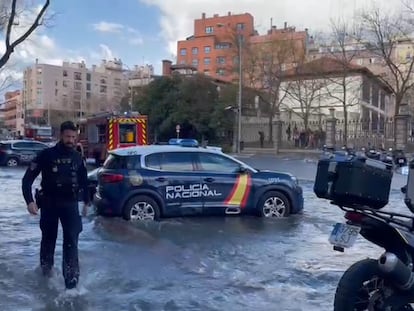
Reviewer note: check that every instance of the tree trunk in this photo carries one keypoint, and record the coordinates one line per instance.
(345, 134)
(270, 128)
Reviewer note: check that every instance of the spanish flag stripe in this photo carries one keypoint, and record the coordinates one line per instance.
(246, 192)
(239, 192)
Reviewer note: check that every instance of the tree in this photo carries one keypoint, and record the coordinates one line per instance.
(193, 102)
(344, 49)
(264, 65)
(304, 93)
(9, 12)
(386, 34)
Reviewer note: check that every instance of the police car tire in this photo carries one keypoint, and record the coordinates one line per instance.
(14, 160)
(277, 194)
(141, 198)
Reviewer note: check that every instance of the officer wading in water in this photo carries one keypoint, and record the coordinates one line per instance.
(63, 176)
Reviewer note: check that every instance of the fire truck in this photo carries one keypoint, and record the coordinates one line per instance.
(102, 133)
(37, 132)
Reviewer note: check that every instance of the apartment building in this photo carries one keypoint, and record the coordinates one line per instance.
(214, 47)
(13, 114)
(53, 93)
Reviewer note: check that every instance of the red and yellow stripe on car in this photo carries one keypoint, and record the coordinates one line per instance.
(240, 192)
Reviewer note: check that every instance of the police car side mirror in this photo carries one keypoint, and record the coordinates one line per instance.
(242, 169)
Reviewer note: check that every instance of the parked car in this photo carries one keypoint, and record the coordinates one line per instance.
(156, 181)
(17, 152)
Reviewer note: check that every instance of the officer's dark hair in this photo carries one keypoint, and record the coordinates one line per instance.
(67, 125)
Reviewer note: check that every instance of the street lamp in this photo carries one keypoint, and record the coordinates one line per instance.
(239, 103)
(236, 148)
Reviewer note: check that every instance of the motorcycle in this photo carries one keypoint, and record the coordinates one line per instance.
(399, 157)
(386, 283)
(377, 284)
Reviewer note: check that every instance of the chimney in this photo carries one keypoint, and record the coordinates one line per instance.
(229, 13)
(203, 15)
(166, 67)
(215, 15)
(37, 61)
(285, 25)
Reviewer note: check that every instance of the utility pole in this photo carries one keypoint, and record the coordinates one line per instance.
(239, 104)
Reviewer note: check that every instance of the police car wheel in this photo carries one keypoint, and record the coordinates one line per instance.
(274, 204)
(12, 162)
(141, 208)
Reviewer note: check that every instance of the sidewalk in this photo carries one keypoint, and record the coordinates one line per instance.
(281, 151)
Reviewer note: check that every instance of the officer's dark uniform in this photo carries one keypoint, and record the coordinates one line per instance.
(63, 175)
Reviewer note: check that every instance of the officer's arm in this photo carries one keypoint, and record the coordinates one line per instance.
(83, 181)
(29, 177)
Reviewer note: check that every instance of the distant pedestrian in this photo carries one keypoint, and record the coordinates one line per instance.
(261, 138)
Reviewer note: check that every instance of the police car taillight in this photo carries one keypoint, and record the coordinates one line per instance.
(111, 178)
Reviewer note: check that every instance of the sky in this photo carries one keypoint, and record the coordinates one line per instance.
(146, 31)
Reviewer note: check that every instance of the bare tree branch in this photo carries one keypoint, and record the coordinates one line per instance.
(384, 34)
(11, 45)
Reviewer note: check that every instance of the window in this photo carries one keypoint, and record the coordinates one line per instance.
(224, 45)
(127, 133)
(77, 76)
(103, 89)
(117, 81)
(56, 92)
(65, 84)
(39, 82)
(221, 60)
(77, 85)
(221, 72)
(209, 29)
(240, 26)
(39, 70)
(88, 86)
(217, 163)
(183, 52)
(207, 49)
(207, 61)
(103, 81)
(88, 95)
(115, 162)
(195, 62)
(21, 145)
(195, 51)
(65, 73)
(171, 161)
(88, 77)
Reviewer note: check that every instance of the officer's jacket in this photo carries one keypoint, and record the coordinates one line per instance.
(63, 174)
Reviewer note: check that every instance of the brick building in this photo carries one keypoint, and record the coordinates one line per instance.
(213, 49)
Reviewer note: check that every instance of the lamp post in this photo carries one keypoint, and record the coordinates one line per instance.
(237, 141)
(239, 102)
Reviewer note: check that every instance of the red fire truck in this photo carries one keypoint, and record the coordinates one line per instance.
(37, 132)
(101, 133)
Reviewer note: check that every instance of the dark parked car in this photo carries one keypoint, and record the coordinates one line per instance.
(151, 182)
(16, 152)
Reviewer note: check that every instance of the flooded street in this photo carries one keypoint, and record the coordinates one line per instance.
(228, 263)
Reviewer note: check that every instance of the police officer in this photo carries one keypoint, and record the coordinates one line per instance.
(63, 176)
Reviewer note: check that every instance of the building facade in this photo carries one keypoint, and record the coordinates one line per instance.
(53, 93)
(13, 113)
(214, 48)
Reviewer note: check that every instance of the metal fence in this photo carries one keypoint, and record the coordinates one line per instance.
(360, 133)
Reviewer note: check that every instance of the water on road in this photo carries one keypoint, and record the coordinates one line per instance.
(230, 263)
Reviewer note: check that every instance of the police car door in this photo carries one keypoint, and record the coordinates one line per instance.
(223, 185)
(176, 181)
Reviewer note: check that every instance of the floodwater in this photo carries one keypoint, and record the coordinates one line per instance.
(230, 263)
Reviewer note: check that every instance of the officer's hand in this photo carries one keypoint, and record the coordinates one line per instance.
(32, 208)
(85, 209)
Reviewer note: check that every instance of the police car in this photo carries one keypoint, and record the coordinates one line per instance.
(157, 181)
